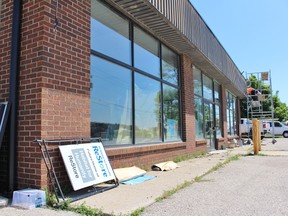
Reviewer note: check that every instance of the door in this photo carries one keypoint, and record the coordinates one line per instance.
(209, 124)
(278, 129)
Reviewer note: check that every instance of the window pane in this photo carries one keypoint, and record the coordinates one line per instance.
(216, 92)
(218, 123)
(110, 33)
(231, 113)
(197, 81)
(198, 106)
(227, 100)
(146, 53)
(147, 110)
(169, 65)
(207, 88)
(171, 113)
(111, 117)
(228, 122)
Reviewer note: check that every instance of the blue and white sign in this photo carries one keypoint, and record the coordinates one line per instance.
(86, 164)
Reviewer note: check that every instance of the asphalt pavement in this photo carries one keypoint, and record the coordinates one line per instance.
(252, 185)
(234, 181)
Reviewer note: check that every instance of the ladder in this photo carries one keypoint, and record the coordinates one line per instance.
(260, 98)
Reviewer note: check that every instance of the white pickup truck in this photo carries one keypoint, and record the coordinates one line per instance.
(246, 128)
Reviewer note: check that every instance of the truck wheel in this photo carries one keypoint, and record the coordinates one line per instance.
(285, 134)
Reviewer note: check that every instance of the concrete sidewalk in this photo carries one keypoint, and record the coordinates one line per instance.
(125, 199)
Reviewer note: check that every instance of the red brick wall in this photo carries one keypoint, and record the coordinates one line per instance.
(188, 106)
(54, 88)
(5, 47)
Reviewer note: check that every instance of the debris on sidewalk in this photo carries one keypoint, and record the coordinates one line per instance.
(138, 180)
(165, 166)
(127, 173)
(132, 175)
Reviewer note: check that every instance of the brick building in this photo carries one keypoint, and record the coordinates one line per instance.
(147, 76)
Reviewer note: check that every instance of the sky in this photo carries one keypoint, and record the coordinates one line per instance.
(255, 35)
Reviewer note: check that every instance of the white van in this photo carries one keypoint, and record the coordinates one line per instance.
(279, 128)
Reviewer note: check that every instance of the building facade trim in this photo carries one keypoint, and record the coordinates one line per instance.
(180, 25)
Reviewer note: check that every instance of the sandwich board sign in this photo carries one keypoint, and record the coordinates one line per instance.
(86, 164)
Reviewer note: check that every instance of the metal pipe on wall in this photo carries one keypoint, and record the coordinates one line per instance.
(13, 92)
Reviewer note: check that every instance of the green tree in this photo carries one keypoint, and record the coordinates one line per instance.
(280, 108)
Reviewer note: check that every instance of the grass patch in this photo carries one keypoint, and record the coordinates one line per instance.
(51, 202)
(169, 193)
(200, 179)
(137, 212)
(261, 154)
(83, 209)
(189, 157)
(218, 166)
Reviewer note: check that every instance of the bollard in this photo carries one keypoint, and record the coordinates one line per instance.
(259, 134)
(256, 135)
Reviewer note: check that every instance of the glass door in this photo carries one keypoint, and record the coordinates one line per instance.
(209, 126)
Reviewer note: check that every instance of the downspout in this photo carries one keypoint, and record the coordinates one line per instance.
(13, 94)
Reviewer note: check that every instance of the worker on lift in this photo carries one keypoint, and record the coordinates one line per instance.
(254, 95)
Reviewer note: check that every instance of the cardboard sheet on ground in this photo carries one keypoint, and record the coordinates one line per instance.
(127, 173)
(138, 180)
(165, 166)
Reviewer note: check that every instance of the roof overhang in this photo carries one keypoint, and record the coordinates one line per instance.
(180, 26)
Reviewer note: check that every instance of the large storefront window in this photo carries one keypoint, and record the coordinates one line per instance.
(207, 106)
(134, 82)
(231, 113)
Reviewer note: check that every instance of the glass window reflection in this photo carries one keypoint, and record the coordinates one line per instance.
(207, 88)
(118, 116)
(199, 118)
(171, 113)
(197, 81)
(147, 110)
(231, 113)
(218, 121)
(169, 65)
(110, 33)
(216, 92)
(146, 52)
(111, 102)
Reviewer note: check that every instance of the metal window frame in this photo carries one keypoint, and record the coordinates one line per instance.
(159, 79)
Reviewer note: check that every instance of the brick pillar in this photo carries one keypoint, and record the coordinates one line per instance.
(188, 103)
(54, 87)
